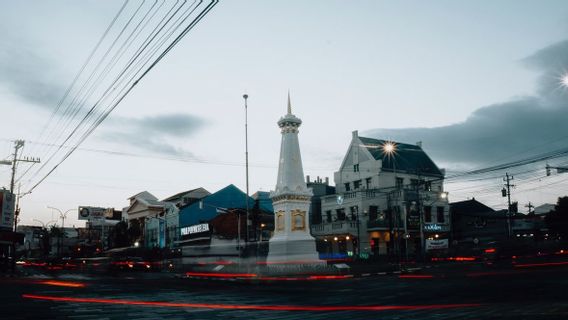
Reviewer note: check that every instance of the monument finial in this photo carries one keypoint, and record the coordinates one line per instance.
(289, 104)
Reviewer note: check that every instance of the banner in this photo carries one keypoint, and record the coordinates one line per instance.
(91, 213)
(7, 201)
(436, 244)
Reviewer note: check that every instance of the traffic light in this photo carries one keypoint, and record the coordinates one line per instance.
(504, 192)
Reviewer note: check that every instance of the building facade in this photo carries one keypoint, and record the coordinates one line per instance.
(389, 202)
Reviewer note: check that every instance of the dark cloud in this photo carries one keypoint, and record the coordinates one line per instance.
(178, 125)
(28, 73)
(521, 126)
(155, 133)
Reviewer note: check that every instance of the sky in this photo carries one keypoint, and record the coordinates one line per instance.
(476, 82)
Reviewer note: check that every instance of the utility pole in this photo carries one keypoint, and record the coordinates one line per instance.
(18, 144)
(530, 206)
(506, 192)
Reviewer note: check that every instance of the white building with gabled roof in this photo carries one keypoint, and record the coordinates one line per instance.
(381, 188)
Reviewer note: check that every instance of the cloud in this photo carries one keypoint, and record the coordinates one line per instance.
(517, 127)
(29, 74)
(154, 133)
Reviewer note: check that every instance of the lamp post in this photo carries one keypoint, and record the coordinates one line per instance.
(245, 96)
(44, 225)
(225, 210)
(389, 149)
(62, 215)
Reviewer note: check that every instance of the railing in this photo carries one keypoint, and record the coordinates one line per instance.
(338, 227)
(383, 224)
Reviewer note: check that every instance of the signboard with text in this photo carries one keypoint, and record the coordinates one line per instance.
(91, 213)
(436, 244)
(7, 201)
(195, 231)
(412, 216)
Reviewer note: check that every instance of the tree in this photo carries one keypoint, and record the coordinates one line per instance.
(557, 219)
(119, 235)
(134, 231)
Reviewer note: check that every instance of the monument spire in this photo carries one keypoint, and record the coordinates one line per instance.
(289, 104)
(291, 200)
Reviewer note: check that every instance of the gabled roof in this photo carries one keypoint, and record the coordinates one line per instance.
(143, 195)
(472, 208)
(229, 197)
(408, 157)
(178, 196)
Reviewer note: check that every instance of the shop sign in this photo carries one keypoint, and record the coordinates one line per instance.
(412, 216)
(432, 227)
(436, 244)
(6, 210)
(198, 228)
(91, 213)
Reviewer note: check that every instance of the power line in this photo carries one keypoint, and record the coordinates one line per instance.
(138, 76)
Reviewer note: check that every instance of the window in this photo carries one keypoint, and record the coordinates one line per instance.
(354, 211)
(356, 184)
(440, 215)
(373, 212)
(368, 183)
(428, 185)
(347, 187)
(414, 183)
(427, 214)
(356, 168)
(328, 215)
(340, 214)
(399, 183)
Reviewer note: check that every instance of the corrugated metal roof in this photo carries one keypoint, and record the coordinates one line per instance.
(409, 158)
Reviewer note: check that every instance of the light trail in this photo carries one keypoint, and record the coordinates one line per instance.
(251, 307)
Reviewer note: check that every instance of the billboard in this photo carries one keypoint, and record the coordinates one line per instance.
(92, 213)
(7, 200)
(436, 244)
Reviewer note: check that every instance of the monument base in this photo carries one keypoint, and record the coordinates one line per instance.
(293, 250)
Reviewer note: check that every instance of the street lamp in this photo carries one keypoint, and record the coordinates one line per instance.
(225, 210)
(44, 225)
(62, 215)
(389, 149)
(245, 96)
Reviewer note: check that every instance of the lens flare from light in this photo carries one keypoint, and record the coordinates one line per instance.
(389, 147)
(564, 80)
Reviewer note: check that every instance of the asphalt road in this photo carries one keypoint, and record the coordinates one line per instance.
(438, 293)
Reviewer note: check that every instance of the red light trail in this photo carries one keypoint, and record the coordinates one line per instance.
(416, 276)
(249, 307)
(63, 283)
(545, 264)
(221, 275)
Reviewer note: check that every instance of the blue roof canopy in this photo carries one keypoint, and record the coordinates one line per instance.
(229, 197)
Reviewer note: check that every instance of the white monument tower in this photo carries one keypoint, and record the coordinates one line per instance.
(291, 200)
